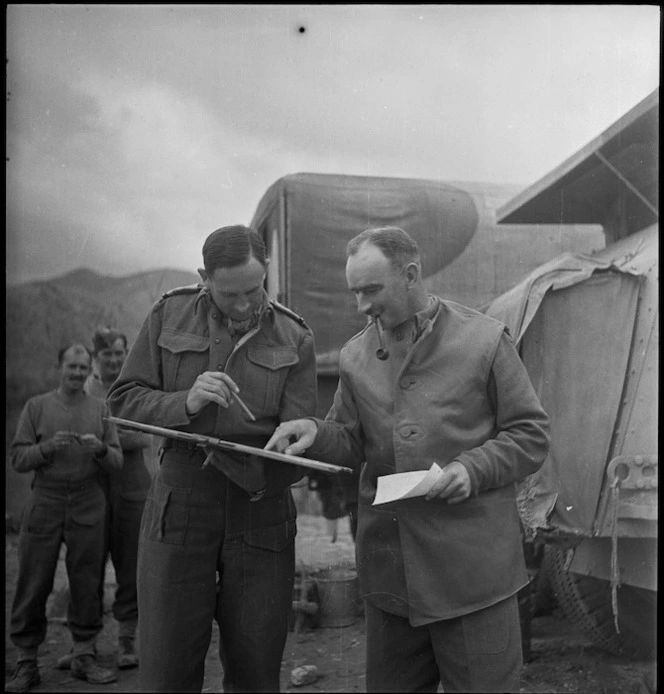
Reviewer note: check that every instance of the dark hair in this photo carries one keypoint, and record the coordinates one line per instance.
(396, 245)
(232, 246)
(104, 338)
(77, 347)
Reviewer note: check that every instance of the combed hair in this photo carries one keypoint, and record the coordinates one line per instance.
(104, 337)
(77, 347)
(396, 244)
(232, 246)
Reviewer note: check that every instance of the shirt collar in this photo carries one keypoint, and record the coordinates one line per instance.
(264, 310)
(423, 317)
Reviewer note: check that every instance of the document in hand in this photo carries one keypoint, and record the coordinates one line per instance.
(405, 485)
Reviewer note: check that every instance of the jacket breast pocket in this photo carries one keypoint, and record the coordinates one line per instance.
(184, 357)
(166, 514)
(267, 374)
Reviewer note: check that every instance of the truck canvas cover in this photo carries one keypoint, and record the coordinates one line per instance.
(587, 327)
(574, 319)
(307, 219)
(317, 216)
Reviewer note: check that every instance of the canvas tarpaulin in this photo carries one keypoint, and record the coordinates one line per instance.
(574, 319)
(321, 213)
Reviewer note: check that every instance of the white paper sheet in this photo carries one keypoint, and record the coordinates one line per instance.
(405, 485)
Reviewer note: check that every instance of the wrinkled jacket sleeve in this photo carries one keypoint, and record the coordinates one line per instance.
(25, 452)
(339, 437)
(113, 459)
(138, 392)
(133, 440)
(521, 443)
(298, 399)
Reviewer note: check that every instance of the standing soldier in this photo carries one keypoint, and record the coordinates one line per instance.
(63, 438)
(217, 542)
(126, 491)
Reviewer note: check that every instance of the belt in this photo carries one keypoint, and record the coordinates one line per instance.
(179, 445)
(66, 484)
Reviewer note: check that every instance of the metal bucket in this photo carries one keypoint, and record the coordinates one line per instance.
(338, 593)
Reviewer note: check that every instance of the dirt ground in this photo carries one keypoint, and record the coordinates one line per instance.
(562, 660)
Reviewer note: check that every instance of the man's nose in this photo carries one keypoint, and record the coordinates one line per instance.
(363, 306)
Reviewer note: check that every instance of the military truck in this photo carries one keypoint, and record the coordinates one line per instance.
(307, 219)
(587, 326)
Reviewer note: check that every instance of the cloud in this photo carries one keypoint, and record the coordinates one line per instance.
(135, 130)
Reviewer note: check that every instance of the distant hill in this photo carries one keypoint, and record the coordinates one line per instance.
(43, 316)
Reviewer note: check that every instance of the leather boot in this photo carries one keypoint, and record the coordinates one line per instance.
(127, 657)
(84, 667)
(25, 677)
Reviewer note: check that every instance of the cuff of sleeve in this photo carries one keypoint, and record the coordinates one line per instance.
(103, 453)
(474, 480)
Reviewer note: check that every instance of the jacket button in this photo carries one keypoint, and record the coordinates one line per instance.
(407, 382)
(399, 335)
(214, 315)
(217, 340)
(220, 367)
(408, 431)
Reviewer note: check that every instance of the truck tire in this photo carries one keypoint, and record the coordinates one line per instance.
(586, 602)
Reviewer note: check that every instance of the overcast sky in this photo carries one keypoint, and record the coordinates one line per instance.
(133, 131)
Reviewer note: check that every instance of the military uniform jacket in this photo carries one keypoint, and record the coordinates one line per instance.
(273, 365)
(133, 480)
(461, 393)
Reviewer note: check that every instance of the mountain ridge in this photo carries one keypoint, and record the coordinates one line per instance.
(44, 315)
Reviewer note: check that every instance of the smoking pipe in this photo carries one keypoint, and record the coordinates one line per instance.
(382, 352)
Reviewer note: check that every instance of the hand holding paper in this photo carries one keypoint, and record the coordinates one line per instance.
(405, 485)
(451, 483)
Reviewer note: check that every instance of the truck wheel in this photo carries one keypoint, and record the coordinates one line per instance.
(586, 602)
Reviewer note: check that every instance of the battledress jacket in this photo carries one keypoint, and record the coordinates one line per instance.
(461, 393)
(273, 365)
(133, 480)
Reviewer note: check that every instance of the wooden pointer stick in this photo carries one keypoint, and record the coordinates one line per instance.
(211, 442)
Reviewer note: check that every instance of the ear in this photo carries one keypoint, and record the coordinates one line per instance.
(203, 274)
(412, 274)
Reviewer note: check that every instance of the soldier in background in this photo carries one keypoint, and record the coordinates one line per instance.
(126, 491)
(64, 439)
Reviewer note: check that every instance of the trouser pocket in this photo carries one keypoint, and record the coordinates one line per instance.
(166, 514)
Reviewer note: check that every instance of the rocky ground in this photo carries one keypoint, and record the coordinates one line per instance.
(562, 660)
